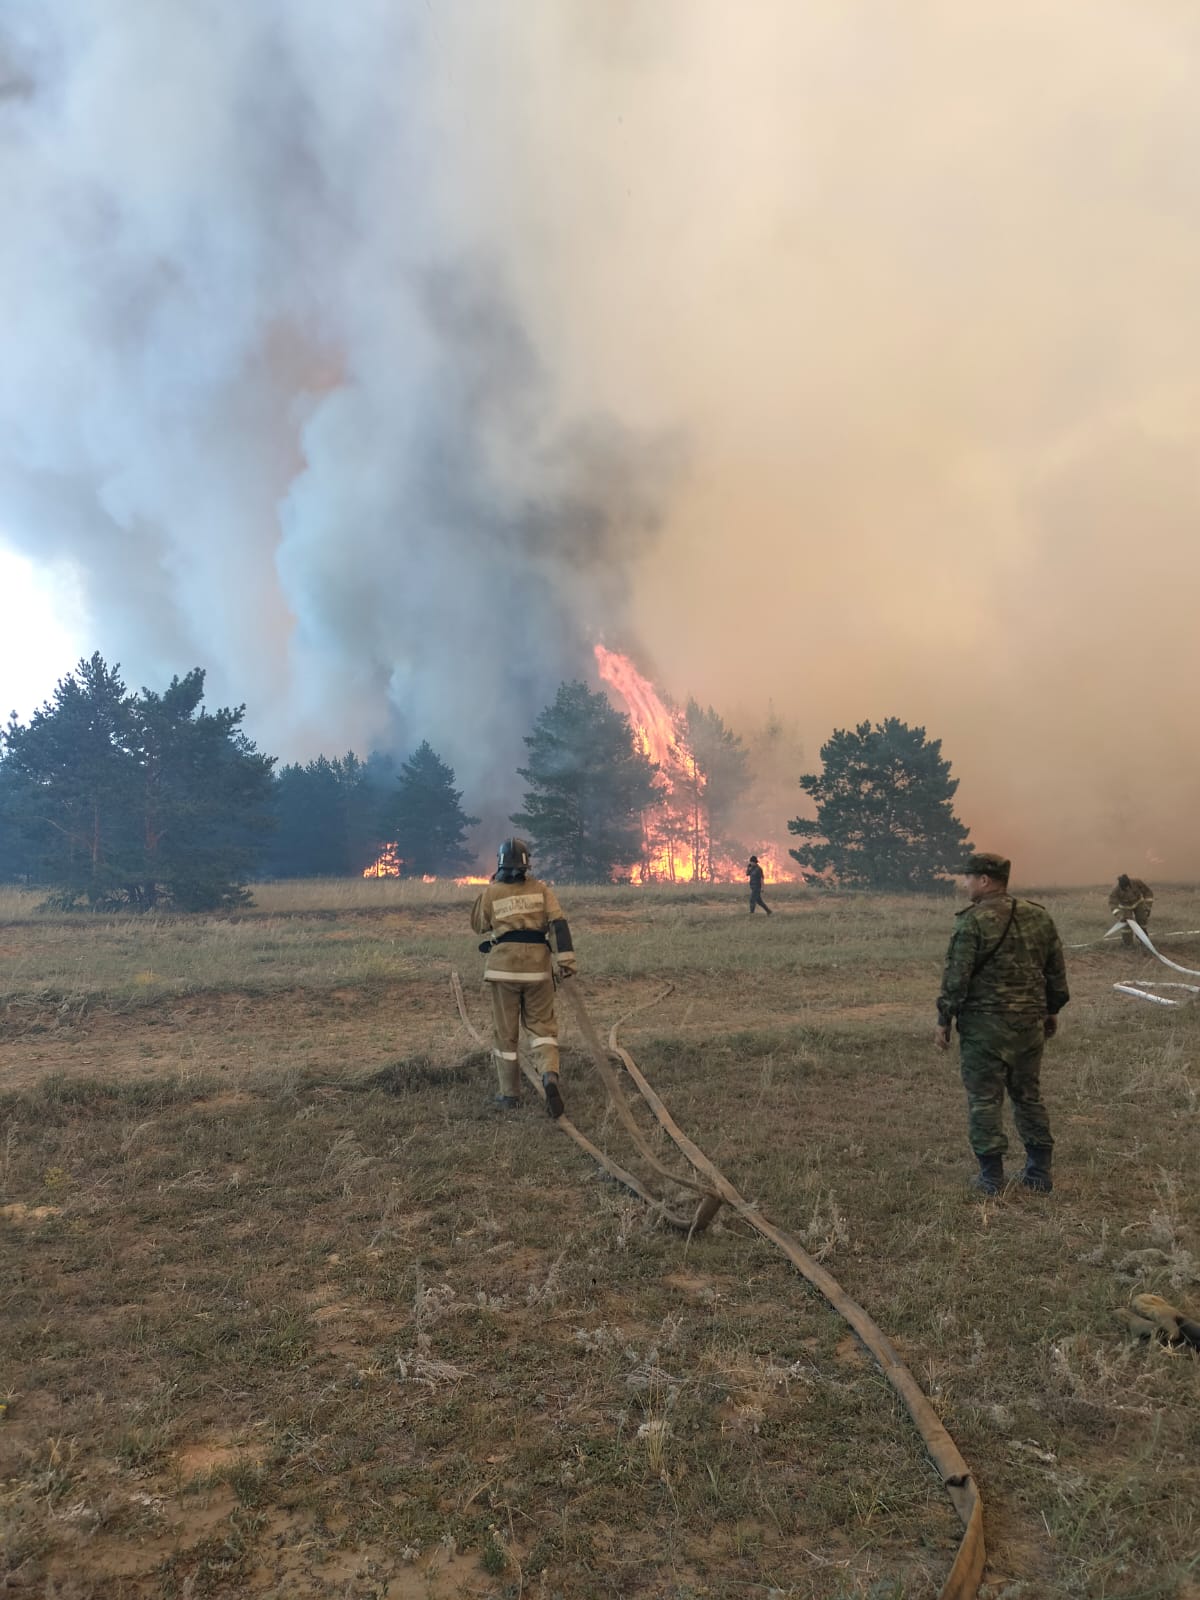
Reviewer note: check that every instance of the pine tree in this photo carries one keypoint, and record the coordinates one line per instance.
(328, 816)
(588, 786)
(72, 784)
(14, 856)
(366, 788)
(133, 799)
(714, 778)
(425, 818)
(309, 838)
(884, 819)
(204, 802)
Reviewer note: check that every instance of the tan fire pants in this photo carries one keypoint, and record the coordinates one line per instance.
(1141, 915)
(533, 1004)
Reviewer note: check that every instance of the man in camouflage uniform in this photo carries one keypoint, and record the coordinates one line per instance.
(1004, 984)
(518, 913)
(1131, 900)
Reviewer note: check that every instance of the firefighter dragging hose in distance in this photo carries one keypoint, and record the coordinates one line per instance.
(1131, 900)
(518, 914)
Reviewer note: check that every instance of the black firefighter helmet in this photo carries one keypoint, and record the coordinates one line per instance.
(512, 861)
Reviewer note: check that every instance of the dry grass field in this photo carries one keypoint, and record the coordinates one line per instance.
(287, 1310)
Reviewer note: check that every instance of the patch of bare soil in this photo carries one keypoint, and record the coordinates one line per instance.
(200, 1459)
(851, 1351)
(295, 1556)
(696, 1285)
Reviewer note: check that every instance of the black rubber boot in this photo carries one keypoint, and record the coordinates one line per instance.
(990, 1177)
(554, 1100)
(1037, 1169)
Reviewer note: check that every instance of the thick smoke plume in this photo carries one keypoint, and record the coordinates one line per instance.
(272, 389)
(843, 355)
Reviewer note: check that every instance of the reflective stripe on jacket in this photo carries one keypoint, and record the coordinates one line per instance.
(505, 908)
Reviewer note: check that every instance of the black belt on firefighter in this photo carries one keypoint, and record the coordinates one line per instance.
(515, 936)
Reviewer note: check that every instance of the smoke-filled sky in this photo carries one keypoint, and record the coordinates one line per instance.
(838, 356)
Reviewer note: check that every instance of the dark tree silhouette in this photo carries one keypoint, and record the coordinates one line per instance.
(329, 816)
(588, 786)
(884, 819)
(425, 819)
(130, 799)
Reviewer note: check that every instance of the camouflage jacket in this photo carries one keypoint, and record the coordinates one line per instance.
(1018, 974)
(1128, 902)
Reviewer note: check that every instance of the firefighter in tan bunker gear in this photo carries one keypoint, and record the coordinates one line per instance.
(1131, 901)
(518, 914)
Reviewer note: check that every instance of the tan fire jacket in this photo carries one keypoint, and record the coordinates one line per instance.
(1135, 901)
(529, 905)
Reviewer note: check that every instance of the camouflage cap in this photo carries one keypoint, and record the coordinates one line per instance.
(985, 863)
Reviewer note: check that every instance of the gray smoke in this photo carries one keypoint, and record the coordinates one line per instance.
(350, 349)
(273, 395)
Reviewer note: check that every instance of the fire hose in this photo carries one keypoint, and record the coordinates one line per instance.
(966, 1573)
(1094, 944)
(1140, 988)
(705, 1211)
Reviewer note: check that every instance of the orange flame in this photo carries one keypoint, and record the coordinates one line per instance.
(658, 731)
(390, 865)
(386, 865)
(670, 842)
(677, 844)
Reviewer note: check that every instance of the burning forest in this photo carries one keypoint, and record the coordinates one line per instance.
(690, 834)
(705, 812)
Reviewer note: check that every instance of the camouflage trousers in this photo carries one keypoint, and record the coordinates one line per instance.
(1000, 1054)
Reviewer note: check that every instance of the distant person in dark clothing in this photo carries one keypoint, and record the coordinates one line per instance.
(755, 873)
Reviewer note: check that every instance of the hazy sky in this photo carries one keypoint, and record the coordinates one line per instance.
(839, 356)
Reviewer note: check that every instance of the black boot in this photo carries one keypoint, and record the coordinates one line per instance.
(554, 1100)
(990, 1178)
(1037, 1168)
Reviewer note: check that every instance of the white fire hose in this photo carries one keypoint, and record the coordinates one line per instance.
(1140, 988)
(1092, 944)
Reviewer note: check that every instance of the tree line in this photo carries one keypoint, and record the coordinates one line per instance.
(110, 798)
